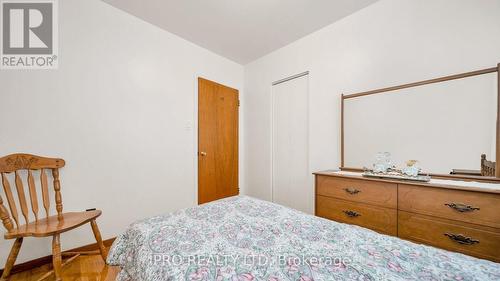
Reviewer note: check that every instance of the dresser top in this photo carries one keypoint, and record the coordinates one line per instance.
(439, 183)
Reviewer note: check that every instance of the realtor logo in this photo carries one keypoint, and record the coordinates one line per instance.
(29, 34)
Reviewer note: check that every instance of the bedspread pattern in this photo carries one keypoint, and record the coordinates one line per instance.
(241, 238)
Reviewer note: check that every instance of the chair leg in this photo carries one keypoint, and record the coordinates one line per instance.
(11, 260)
(98, 238)
(56, 257)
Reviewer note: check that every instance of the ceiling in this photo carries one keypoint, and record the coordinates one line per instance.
(241, 30)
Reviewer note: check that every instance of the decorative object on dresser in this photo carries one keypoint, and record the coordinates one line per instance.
(412, 169)
(396, 174)
(47, 226)
(383, 168)
(383, 162)
(487, 167)
(455, 215)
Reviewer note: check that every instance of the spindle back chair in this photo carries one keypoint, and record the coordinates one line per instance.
(36, 224)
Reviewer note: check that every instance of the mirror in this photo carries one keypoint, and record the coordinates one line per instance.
(445, 125)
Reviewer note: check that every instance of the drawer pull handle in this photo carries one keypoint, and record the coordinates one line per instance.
(352, 191)
(351, 214)
(462, 208)
(461, 239)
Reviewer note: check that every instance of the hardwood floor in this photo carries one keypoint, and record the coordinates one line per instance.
(84, 268)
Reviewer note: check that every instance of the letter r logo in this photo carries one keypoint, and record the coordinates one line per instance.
(27, 28)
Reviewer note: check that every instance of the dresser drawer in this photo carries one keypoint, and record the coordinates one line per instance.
(363, 191)
(466, 206)
(380, 219)
(483, 242)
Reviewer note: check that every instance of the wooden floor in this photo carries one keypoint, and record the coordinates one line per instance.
(84, 268)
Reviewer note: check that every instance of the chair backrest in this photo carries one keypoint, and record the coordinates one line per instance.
(15, 163)
(487, 167)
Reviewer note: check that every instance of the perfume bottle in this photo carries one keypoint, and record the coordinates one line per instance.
(412, 168)
(382, 162)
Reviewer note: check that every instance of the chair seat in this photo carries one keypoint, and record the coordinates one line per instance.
(52, 225)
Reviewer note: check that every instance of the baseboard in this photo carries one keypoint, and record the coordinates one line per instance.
(48, 259)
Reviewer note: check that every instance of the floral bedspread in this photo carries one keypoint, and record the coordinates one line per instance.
(242, 238)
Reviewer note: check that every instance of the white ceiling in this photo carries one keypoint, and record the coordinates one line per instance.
(241, 30)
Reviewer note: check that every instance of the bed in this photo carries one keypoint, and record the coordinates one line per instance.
(242, 238)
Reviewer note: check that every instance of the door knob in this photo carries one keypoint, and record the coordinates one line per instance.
(203, 153)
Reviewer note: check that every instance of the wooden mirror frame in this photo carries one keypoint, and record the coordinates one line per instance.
(426, 82)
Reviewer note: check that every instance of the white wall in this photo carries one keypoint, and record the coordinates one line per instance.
(388, 43)
(120, 110)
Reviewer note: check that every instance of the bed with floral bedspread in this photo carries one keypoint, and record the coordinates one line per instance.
(242, 238)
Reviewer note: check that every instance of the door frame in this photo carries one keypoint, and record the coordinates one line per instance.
(272, 129)
(195, 127)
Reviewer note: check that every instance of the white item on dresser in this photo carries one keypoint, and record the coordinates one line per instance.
(475, 184)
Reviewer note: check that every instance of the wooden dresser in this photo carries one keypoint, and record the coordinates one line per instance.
(442, 213)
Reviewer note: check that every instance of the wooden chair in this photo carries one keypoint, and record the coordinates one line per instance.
(487, 167)
(39, 227)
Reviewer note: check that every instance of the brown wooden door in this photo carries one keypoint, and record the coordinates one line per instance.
(217, 141)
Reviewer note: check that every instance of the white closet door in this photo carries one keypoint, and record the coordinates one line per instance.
(292, 180)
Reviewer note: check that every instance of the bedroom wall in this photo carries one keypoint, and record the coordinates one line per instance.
(120, 110)
(388, 43)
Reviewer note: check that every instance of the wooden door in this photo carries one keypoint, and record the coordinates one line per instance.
(217, 141)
